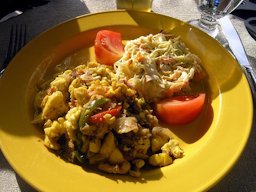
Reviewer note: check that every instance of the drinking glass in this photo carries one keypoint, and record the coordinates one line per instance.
(211, 11)
(139, 5)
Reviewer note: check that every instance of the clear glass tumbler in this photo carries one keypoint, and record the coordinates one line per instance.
(211, 11)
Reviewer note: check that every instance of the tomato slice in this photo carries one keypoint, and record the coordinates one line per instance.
(99, 117)
(108, 47)
(180, 109)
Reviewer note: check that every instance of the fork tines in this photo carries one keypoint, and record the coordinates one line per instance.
(18, 37)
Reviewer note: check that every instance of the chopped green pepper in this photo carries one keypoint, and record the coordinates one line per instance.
(88, 110)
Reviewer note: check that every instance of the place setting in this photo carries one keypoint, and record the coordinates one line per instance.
(126, 98)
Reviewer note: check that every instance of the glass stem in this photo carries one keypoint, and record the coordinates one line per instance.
(208, 22)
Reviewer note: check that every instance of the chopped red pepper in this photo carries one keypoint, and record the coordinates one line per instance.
(99, 117)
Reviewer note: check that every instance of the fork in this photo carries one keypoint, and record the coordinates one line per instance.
(18, 37)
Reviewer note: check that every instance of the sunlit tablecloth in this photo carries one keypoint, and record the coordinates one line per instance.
(241, 178)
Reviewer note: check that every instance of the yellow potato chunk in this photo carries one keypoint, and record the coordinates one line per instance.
(56, 129)
(116, 157)
(61, 82)
(160, 160)
(81, 95)
(157, 142)
(53, 132)
(51, 143)
(55, 106)
(94, 145)
(172, 148)
(108, 145)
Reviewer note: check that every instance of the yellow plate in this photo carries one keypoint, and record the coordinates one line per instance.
(212, 144)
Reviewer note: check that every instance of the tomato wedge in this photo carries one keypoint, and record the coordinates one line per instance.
(180, 109)
(99, 117)
(108, 47)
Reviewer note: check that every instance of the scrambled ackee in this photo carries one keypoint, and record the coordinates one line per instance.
(102, 115)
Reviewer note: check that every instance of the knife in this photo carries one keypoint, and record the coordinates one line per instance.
(235, 46)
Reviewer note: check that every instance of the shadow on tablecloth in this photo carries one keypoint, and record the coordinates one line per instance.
(24, 187)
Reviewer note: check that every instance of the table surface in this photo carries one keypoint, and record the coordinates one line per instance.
(241, 178)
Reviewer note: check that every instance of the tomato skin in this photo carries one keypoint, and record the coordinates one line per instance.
(108, 47)
(181, 109)
(99, 117)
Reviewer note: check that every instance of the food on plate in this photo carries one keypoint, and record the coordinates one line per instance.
(158, 66)
(106, 114)
(108, 47)
(183, 109)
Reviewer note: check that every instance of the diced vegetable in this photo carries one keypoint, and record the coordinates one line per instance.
(126, 125)
(180, 109)
(87, 111)
(108, 47)
(99, 117)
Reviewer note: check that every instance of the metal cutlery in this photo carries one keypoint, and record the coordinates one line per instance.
(236, 47)
(18, 38)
